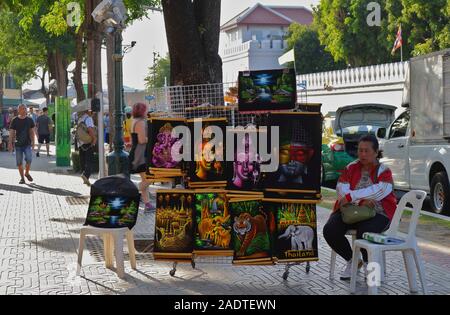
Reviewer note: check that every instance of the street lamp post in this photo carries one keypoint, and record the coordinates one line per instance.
(112, 14)
(118, 159)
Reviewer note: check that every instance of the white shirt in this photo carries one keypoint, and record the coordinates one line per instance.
(88, 121)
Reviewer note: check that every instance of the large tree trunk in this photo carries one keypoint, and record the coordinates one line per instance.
(193, 32)
(77, 74)
(111, 87)
(44, 91)
(59, 65)
(94, 50)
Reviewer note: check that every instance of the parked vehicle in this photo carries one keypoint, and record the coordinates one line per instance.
(334, 157)
(354, 121)
(343, 130)
(416, 146)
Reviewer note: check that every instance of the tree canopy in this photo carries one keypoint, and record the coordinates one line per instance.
(343, 29)
(310, 55)
(158, 73)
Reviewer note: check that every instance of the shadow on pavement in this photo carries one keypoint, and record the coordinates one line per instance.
(19, 189)
(54, 191)
(30, 188)
(67, 245)
(79, 221)
(101, 285)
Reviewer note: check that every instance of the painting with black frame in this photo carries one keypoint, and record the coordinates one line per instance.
(162, 142)
(267, 90)
(296, 236)
(253, 231)
(300, 143)
(244, 172)
(204, 170)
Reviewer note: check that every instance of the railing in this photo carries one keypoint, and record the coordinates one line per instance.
(254, 44)
(357, 77)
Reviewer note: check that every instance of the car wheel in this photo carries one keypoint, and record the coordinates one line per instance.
(440, 193)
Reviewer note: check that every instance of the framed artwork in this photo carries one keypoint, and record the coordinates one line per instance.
(213, 221)
(244, 172)
(162, 143)
(206, 169)
(174, 228)
(253, 228)
(300, 143)
(112, 211)
(296, 234)
(267, 90)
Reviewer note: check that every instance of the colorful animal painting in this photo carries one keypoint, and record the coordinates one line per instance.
(296, 236)
(174, 222)
(252, 230)
(213, 222)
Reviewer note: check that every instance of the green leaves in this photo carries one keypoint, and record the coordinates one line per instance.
(20, 54)
(310, 55)
(343, 29)
(158, 73)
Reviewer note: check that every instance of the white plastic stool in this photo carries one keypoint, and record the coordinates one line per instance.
(112, 241)
(351, 233)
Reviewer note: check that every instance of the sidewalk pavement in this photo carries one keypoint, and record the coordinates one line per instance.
(39, 233)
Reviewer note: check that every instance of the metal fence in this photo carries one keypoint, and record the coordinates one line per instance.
(204, 101)
(200, 101)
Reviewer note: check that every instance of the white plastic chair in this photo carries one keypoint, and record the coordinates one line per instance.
(409, 247)
(112, 242)
(351, 233)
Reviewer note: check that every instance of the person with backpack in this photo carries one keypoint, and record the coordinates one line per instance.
(22, 134)
(87, 140)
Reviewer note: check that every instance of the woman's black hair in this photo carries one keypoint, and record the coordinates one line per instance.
(375, 144)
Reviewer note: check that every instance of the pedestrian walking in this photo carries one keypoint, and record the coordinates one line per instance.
(127, 131)
(106, 124)
(22, 135)
(138, 153)
(87, 140)
(33, 115)
(44, 128)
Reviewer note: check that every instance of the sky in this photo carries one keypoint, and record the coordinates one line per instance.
(150, 36)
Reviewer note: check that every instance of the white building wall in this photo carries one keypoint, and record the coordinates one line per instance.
(256, 32)
(381, 84)
(331, 102)
(251, 55)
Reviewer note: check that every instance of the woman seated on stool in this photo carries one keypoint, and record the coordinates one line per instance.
(365, 182)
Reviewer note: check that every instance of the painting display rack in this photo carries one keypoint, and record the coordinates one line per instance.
(217, 104)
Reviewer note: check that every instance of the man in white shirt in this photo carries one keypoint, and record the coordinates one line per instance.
(87, 149)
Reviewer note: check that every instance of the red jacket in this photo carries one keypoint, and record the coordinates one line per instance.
(382, 190)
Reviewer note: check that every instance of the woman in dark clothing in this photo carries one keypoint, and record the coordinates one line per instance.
(138, 153)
